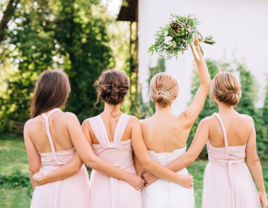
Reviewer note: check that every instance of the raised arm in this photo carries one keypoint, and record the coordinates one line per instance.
(255, 165)
(33, 156)
(148, 163)
(191, 113)
(85, 152)
(199, 141)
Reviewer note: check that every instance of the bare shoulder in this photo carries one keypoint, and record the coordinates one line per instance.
(86, 124)
(134, 121)
(208, 121)
(247, 120)
(33, 123)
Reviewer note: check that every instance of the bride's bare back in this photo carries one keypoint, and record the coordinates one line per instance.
(165, 134)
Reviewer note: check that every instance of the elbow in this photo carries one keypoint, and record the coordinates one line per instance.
(146, 163)
(34, 170)
(207, 84)
(253, 162)
(77, 167)
(91, 163)
(189, 160)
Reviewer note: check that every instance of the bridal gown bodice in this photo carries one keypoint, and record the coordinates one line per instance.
(167, 194)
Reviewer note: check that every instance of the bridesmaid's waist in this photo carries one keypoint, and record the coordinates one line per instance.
(225, 163)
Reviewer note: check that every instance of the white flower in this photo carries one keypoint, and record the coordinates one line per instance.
(174, 44)
(168, 40)
(165, 33)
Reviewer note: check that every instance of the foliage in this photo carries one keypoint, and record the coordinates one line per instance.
(83, 39)
(49, 34)
(177, 35)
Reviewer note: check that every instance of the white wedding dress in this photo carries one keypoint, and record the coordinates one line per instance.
(167, 194)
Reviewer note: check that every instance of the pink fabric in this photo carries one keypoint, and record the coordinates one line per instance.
(106, 191)
(68, 193)
(227, 180)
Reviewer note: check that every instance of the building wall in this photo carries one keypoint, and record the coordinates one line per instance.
(239, 27)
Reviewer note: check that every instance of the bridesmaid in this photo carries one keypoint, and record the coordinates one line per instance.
(227, 180)
(50, 137)
(113, 135)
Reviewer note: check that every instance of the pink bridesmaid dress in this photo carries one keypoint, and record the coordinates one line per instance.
(71, 192)
(106, 191)
(227, 180)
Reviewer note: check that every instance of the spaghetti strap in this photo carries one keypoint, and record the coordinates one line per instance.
(46, 117)
(227, 154)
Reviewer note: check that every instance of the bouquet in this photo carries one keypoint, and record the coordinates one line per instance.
(177, 35)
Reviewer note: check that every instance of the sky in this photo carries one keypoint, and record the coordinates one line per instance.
(113, 6)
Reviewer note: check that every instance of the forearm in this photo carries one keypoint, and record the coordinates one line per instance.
(202, 69)
(256, 170)
(180, 163)
(164, 173)
(138, 166)
(31, 179)
(61, 173)
(107, 168)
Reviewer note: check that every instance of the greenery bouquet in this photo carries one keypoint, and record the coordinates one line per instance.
(177, 35)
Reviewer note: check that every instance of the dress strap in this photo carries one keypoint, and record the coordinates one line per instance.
(46, 117)
(227, 155)
(99, 130)
(121, 127)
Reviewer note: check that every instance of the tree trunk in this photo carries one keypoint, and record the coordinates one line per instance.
(8, 13)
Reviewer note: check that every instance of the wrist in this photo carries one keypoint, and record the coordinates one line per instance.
(126, 176)
(262, 192)
(179, 181)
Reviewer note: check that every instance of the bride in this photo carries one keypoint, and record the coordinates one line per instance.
(165, 136)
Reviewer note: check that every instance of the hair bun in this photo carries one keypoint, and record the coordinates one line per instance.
(112, 86)
(163, 89)
(226, 88)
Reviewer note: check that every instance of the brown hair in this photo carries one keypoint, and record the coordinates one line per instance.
(112, 86)
(164, 89)
(225, 88)
(51, 91)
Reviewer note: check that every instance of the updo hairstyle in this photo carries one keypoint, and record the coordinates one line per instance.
(225, 88)
(112, 86)
(164, 89)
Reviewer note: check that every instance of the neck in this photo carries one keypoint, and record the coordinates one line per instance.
(111, 109)
(162, 111)
(225, 108)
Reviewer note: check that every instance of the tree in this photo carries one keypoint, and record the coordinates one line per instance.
(7, 14)
(64, 35)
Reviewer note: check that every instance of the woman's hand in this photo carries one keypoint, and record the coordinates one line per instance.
(187, 181)
(149, 178)
(135, 181)
(263, 199)
(38, 178)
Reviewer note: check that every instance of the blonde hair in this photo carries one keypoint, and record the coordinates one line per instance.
(164, 89)
(225, 88)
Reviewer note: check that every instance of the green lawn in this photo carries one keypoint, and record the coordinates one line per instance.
(13, 157)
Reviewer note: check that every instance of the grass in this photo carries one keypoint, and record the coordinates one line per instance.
(13, 157)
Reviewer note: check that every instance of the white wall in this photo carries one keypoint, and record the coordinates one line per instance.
(240, 28)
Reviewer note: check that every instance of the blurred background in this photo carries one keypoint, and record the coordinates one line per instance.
(85, 37)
